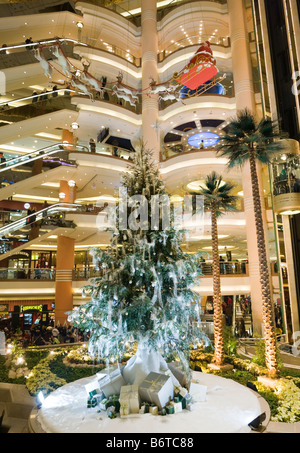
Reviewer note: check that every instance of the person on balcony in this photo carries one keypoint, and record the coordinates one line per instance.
(92, 145)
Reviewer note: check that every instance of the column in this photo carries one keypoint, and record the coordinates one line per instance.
(151, 135)
(245, 98)
(68, 137)
(63, 283)
(67, 191)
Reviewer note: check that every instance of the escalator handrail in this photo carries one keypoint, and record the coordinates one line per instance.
(37, 96)
(53, 209)
(50, 41)
(24, 158)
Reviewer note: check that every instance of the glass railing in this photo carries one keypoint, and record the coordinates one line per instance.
(226, 268)
(36, 99)
(46, 103)
(16, 235)
(206, 269)
(286, 174)
(194, 40)
(39, 154)
(28, 274)
(30, 219)
(7, 50)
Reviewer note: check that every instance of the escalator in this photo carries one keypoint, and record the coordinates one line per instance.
(25, 171)
(39, 154)
(34, 227)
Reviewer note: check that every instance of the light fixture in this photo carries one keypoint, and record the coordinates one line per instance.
(71, 183)
(26, 205)
(75, 125)
(79, 24)
(62, 195)
(255, 425)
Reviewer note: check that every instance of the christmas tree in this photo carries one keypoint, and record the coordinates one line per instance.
(145, 293)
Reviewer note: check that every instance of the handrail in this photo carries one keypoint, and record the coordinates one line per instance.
(37, 154)
(36, 96)
(38, 43)
(31, 218)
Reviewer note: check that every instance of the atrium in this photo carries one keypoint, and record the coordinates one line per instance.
(84, 85)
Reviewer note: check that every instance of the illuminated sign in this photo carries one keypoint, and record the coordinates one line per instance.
(31, 307)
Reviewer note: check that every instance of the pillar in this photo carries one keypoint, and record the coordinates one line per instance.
(245, 98)
(68, 137)
(68, 188)
(150, 111)
(63, 283)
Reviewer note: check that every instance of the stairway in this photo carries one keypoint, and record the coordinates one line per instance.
(17, 404)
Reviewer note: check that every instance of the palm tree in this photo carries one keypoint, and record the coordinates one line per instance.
(217, 200)
(248, 140)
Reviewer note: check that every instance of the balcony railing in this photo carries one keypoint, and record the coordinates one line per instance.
(227, 269)
(27, 274)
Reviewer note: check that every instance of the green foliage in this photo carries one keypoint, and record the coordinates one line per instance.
(230, 341)
(246, 135)
(217, 193)
(260, 354)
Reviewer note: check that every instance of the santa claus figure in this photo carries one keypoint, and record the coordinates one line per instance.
(200, 68)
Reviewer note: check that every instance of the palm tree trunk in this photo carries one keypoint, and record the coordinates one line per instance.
(267, 304)
(219, 355)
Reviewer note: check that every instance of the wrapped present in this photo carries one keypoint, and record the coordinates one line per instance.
(144, 408)
(130, 397)
(111, 413)
(198, 392)
(177, 406)
(185, 400)
(112, 382)
(180, 391)
(153, 410)
(113, 401)
(190, 407)
(177, 370)
(92, 402)
(157, 388)
(103, 404)
(170, 409)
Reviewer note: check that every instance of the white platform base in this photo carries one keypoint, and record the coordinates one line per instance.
(229, 408)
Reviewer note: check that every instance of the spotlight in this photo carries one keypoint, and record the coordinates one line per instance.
(257, 422)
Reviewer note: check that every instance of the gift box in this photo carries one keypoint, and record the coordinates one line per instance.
(198, 392)
(113, 401)
(112, 382)
(144, 408)
(182, 395)
(177, 370)
(157, 388)
(170, 409)
(190, 407)
(130, 399)
(177, 406)
(153, 410)
(92, 402)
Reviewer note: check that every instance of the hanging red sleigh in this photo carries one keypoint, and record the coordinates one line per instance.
(200, 69)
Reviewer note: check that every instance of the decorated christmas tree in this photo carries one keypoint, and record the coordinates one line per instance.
(145, 293)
